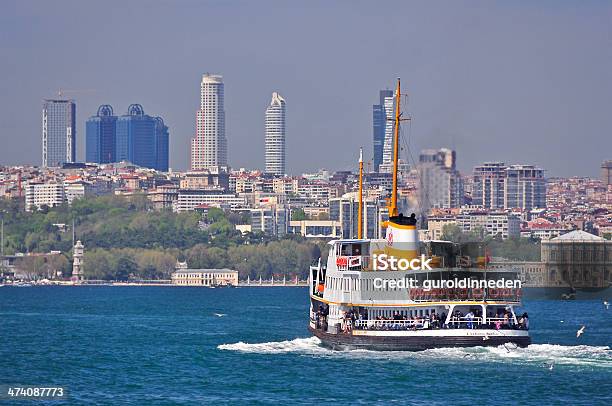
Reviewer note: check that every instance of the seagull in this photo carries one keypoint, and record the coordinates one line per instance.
(605, 303)
(580, 332)
(220, 314)
(551, 366)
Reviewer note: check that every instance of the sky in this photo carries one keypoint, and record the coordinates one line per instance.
(521, 82)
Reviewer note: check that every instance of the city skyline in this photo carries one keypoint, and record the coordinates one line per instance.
(493, 97)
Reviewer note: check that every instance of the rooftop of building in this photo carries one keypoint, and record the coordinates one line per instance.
(206, 270)
(578, 235)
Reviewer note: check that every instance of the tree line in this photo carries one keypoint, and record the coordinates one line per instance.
(125, 238)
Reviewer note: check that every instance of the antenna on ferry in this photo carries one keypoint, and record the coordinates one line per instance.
(393, 205)
(360, 214)
(398, 119)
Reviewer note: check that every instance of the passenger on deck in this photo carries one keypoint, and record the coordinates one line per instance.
(470, 320)
(524, 322)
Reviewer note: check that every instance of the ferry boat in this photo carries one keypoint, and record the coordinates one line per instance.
(355, 306)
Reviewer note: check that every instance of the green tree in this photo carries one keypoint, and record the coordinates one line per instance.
(298, 215)
(125, 268)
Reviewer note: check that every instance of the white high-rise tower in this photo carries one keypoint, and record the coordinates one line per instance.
(275, 135)
(209, 147)
(389, 112)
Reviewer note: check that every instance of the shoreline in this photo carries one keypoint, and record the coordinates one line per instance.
(160, 283)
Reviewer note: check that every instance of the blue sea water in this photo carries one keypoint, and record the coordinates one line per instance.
(165, 345)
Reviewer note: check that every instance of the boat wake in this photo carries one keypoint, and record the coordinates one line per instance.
(541, 354)
(299, 345)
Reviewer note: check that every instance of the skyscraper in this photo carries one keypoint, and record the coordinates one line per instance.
(379, 123)
(209, 146)
(58, 132)
(100, 134)
(142, 139)
(275, 135)
(606, 172)
(440, 184)
(389, 111)
(162, 139)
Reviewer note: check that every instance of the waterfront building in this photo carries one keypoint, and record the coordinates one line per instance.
(379, 124)
(209, 146)
(578, 259)
(58, 132)
(440, 184)
(101, 135)
(38, 195)
(204, 277)
(275, 136)
(142, 139)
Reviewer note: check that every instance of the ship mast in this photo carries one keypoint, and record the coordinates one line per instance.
(393, 205)
(360, 215)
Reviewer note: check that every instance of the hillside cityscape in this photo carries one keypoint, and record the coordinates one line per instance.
(123, 201)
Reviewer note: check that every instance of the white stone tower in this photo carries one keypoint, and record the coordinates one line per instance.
(77, 262)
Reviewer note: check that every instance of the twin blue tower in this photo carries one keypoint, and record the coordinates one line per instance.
(135, 137)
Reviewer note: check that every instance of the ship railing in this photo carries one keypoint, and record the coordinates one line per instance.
(440, 295)
(393, 324)
(424, 324)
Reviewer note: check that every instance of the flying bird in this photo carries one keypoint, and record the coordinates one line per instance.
(580, 332)
(220, 314)
(485, 338)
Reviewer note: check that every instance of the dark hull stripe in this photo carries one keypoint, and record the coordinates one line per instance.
(345, 341)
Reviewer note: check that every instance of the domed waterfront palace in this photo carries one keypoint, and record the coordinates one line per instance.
(578, 259)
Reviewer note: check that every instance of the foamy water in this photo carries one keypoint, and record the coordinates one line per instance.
(600, 357)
